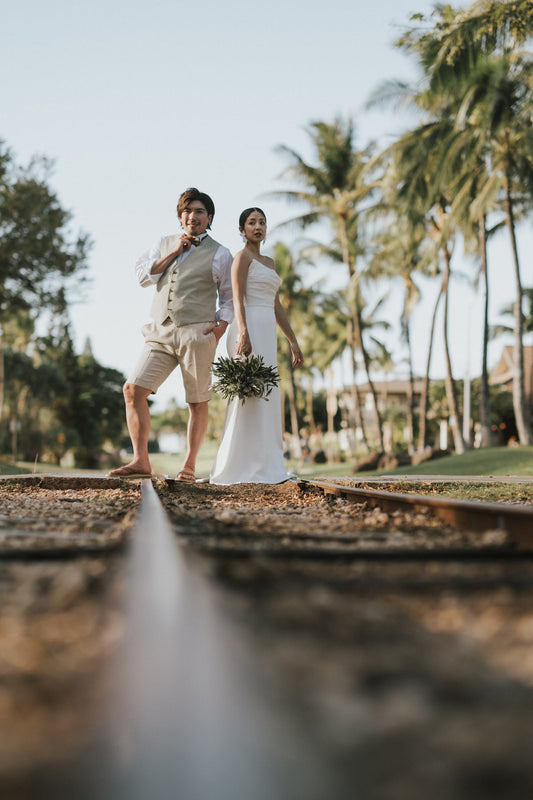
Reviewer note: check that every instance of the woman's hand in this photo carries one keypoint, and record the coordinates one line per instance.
(244, 345)
(297, 355)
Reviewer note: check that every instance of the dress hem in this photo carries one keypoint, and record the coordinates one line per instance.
(266, 483)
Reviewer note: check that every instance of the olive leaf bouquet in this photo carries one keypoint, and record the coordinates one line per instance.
(243, 377)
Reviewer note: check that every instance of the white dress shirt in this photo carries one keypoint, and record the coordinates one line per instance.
(221, 274)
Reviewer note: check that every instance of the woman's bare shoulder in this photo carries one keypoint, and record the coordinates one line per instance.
(242, 259)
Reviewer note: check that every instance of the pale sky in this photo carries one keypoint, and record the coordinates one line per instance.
(137, 101)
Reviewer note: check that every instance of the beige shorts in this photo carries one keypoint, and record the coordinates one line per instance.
(166, 347)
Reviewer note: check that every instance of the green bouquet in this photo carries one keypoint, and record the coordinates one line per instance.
(244, 376)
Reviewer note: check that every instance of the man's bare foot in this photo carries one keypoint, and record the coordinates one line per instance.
(131, 470)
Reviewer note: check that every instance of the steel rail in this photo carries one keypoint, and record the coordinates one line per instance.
(190, 712)
(516, 521)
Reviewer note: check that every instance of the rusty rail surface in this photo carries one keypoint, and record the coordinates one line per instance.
(515, 520)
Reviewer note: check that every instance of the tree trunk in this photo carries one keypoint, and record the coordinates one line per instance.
(331, 407)
(451, 394)
(366, 361)
(359, 406)
(410, 393)
(484, 391)
(358, 421)
(2, 377)
(424, 397)
(354, 337)
(309, 403)
(295, 427)
(523, 423)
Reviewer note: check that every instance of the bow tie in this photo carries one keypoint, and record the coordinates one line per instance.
(196, 240)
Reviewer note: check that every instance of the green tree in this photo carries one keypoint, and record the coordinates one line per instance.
(298, 301)
(335, 334)
(508, 311)
(501, 107)
(475, 91)
(92, 403)
(337, 191)
(30, 391)
(398, 256)
(40, 260)
(423, 196)
(473, 64)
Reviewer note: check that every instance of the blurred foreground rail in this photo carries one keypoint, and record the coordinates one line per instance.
(260, 642)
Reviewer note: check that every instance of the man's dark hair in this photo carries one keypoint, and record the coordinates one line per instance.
(191, 194)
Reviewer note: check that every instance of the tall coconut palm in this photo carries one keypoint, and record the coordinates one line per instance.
(335, 191)
(474, 78)
(337, 311)
(330, 344)
(471, 207)
(417, 157)
(508, 311)
(450, 41)
(472, 61)
(397, 255)
(499, 106)
(299, 301)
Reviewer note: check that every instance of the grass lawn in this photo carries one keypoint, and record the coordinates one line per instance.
(489, 461)
(498, 461)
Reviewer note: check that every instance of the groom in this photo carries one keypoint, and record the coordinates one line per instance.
(189, 270)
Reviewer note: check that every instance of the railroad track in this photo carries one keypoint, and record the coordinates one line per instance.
(485, 530)
(514, 520)
(191, 716)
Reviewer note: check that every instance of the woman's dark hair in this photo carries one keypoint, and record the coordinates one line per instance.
(189, 195)
(246, 213)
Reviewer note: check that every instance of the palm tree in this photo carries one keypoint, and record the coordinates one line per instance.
(337, 190)
(337, 311)
(499, 105)
(476, 82)
(334, 335)
(468, 175)
(328, 345)
(298, 300)
(456, 39)
(420, 192)
(473, 56)
(508, 311)
(398, 254)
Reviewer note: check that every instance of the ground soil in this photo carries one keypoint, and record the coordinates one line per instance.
(405, 678)
(402, 678)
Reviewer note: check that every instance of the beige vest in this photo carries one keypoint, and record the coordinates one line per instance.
(186, 292)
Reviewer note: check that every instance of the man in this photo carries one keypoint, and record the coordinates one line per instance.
(189, 271)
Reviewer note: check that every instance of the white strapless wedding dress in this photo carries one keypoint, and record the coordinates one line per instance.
(251, 450)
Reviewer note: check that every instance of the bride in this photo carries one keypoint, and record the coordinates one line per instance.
(251, 450)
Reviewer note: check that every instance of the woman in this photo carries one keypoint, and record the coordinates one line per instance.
(251, 450)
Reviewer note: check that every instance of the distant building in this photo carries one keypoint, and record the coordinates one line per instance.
(503, 373)
(393, 393)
